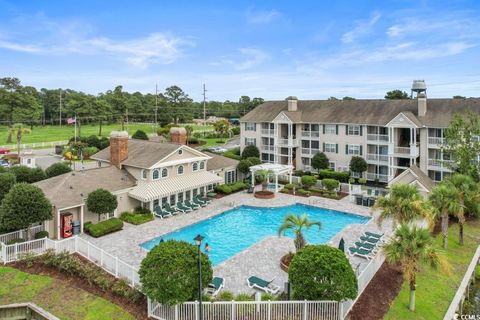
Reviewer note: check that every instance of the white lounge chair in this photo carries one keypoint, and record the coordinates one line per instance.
(215, 286)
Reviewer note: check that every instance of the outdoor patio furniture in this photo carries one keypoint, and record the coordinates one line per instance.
(373, 235)
(264, 285)
(371, 240)
(212, 194)
(191, 205)
(371, 201)
(365, 201)
(169, 209)
(183, 208)
(358, 199)
(206, 200)
(250, 189)
(159, 213)
(364, 253)
(198, 202)
(215, 286)
(366, 245)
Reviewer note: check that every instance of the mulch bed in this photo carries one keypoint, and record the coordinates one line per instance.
(137, 309)
(377, 297)
(341, 195)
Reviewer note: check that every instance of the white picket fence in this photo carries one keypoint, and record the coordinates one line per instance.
(110, 263)
(36, 145)
(248, 310)
(21, 234)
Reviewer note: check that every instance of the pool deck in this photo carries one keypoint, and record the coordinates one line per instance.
(261, 259)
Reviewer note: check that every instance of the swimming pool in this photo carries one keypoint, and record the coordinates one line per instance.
(237, 229)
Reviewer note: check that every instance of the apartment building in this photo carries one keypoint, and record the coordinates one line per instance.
(391, 135)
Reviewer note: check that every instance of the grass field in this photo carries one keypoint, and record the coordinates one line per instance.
(65, 132)
(435, 290)
(55, 296)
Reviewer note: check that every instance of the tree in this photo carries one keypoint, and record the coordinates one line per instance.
(177, 104)
(459, 97)
(140, 135)
(244, 166)
(7, 180)
(321, 272)
(28, 175)
(330, 184)
(262, 177)
(358, 165)
(320, 161)
(169, 272)
(396, 94)
(296, 224)
(348, 98)
(189, 130)
(57, 169)
(404, 204)
(462, 144)
(411, 246)
(101, 201)
(18, 131)
(466, 191)
(250, 151)
(254, 161)
(308, 181)
(445, 201)
(222, 127)
(22, 206)
(331, 98)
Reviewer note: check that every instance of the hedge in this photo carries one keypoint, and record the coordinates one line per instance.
(230, 187)
(105, 227)
(136, 218)
(329, 174)
(303, 192)
(41, 234)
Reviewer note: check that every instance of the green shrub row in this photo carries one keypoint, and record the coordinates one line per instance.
(304, 192)
(285, 190)
(41, 234)
(105, 227)
(136, 218)
(329, 174)
(230, 187)
(290, 186)
(141, 210)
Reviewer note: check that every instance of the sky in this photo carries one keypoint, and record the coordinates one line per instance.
(268, 49)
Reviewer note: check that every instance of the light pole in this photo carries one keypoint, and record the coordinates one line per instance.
(198, 241)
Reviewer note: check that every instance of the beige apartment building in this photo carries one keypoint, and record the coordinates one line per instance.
(391, 135)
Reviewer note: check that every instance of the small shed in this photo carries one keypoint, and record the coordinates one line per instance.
(27, 158)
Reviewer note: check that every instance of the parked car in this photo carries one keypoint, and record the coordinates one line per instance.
(217, 149)
(4, 163)
(4, 150)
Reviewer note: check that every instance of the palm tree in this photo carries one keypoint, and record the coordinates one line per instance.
(404, 204)
(445, 200)
(297, 223)
(465, 188)
(410, 247)
(18, 130)
(263, 175)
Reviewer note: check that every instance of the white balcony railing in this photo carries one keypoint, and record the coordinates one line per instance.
(412, 151)
(308, 152)
(268, 148)
(435, 140)
(267, 132)
(377, 137)
(375, 176)
(291, 142)
(402, 150)
(377, 157)
(310, 134)
(439, 164)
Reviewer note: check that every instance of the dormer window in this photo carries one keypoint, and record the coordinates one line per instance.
(155, 174)
(144, 174)
(164, 172)
(195, 166)
(202, 165)
(180, 170)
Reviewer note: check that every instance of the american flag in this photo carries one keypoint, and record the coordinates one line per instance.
(71, 120)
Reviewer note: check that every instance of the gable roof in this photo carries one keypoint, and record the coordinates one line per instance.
(419, 177)
(364, 111)
(219, 162)
(71, 189)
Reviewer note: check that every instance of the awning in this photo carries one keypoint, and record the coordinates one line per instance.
(162, 188)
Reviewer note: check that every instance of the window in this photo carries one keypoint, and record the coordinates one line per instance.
(187, 195)
(202, 165)
(172, 199)
(180, 170)
(144, 174)
(29, 161)
(180, 151)
(155, 174)
(195, 166)
(354, 130)
(210, 187)
(330, 129)
(155, 203)
(331, 165)
(330, 147)
(194, 192)
(180, 197)
(164, 172)
(111, 214)
(250, 126)
(164, 201)
(354, 149)
(230, 176)
(250, 141)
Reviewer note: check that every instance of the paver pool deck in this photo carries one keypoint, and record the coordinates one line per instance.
(261, 259)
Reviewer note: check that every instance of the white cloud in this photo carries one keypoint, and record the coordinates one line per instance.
(262, 17)
(20, 47)
(362, 27)
(253, 57)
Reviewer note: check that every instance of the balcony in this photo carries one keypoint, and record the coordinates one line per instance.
(377, 157)
(377, 137)
(310, 134)
(440, 165)
(268, 132)
(375, 176)
(309, 152)
(404, 152)
(268, 148)
(290, 142)
(435, 142)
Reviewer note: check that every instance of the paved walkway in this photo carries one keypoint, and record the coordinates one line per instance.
(261, 259)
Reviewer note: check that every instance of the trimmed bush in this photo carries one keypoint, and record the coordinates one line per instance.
(140, 135)
(13, 241)
(93, 141)
(28, 175)
(136, 218)
(225, 295)
(105, 227)
(290, 186)
(193, 140)
(330, 184)
(254, 160)
(320, 161)
(230, 187)
(362, 180)
(233, 154)
(308, 181)
(351, 180)
(141, 210)
(250, 151)
(224, 188)
(303, 192)
(41, 234)
(285, 190)
(329, 174)
(57, 169)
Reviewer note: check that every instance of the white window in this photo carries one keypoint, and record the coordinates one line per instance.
(230, 176)
(250, 126)
(164, 172)
(353, 149)
(330, 147)
(353, 130)
(144, 174)
(329, 129)
(195, 166)
(180, 170)
(202, 165)
(250, 141)
(343, 168)
(331, 165)
(155, 174)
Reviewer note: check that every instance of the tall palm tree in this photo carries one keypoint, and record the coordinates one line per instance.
(19, 131)
(404, 204)
(445, 200)
(410, 247)
(263, 175)
(465, 188)
(297, 223)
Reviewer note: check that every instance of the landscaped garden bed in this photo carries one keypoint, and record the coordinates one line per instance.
(102, 228)
(138, 216)
(264, 194)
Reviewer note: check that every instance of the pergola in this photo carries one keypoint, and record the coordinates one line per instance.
(275, 169)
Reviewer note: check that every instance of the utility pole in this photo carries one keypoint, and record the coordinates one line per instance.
(60, 121)
(204, 103)
(156, 104)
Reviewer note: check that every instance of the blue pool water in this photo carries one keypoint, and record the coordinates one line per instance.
(235, 230)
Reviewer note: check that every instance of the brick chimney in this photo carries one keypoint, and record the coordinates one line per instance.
(422, 104)
(178, 135)
(118, 147)
(292, 103)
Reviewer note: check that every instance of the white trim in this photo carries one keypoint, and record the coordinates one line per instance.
(158, 174)
(183, 170)
(408, 121)
(200, 155)
(282, 118)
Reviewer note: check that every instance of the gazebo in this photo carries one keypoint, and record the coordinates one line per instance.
(275, 169)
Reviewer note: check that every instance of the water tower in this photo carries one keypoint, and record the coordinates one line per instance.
(419, 86)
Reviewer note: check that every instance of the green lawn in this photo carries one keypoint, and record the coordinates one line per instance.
(211, 142)
(435, 290)
(55, 296)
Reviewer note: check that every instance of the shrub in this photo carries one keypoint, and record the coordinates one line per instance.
(250, 151)
(141, 210)
(105, 227)
(303, 192)
(136, 218)
(320, 272)
(330, 184)
(291, 186)
(169, 272)
(104, 143)
(57, 169)
(362, 180)
(224, 188)
(233, 154)
(351, 180)
(225, 295)
(140, 135)
(358, 164)
(244, 297)
(284, 190)
(244, 166)
(41, 234)
(101, 201)
(308, 181)
(340, 176)
(28, 175)
(7, 180)
(13, 241)
(193, 140)
(254, 160)
(89, 151)
(235, 130)
(266, 296)
(93, 141)
(320, 161)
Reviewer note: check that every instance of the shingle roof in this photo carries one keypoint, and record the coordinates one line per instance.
(374, 112)
(425, 180)
(72, 188)
(219, 162)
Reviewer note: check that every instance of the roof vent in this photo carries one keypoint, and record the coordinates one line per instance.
(292, 103)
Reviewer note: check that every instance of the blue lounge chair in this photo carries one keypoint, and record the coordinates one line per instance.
(191, 205)
(264, 285)
(183, 208)
(159, 213)
(364, 253)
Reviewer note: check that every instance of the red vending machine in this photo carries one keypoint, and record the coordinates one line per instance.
(66, 228)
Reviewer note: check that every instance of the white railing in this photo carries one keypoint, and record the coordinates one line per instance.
(108, 262)
(402, 150)
(288, 142)
(267, 132)
(463, 288)
(37, 145)
(435, 140)
(310, 134)
(268, 148)
(307, 151)
(375, 176)
(377, 157)
(377, 137)
(248, 310)
(21, 234)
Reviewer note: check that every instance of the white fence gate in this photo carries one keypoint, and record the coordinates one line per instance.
(21, 234)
